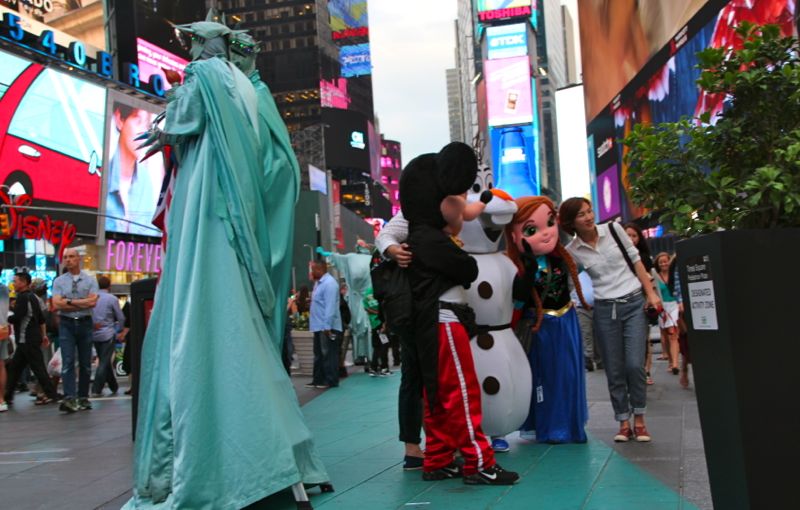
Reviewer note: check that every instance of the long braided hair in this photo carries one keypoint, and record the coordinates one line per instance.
(525, 208)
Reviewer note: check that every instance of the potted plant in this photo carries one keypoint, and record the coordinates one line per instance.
(730, 182)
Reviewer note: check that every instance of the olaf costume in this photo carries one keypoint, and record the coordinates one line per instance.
(500, 362)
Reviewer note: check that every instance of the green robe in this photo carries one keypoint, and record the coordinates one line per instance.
(354, 268)
(281, 189)
(219, 425)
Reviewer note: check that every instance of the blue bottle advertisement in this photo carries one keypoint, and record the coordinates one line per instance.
(514, 160)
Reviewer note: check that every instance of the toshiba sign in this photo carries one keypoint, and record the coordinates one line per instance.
(503, 14)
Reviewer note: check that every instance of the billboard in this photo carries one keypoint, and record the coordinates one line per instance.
(347, 14)
(131, 187)
(491, 11)
(608, 201)
(666, 89)
(355, 60)
(153, 60)
(507, 41)
(571, 125)
(51, 138)
(80, 19)
(515, 160)
(333, 93)
(346, 140)
(619, 38)
(318, 179)
(508, 91)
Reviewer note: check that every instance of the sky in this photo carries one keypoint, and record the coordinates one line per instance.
(413, 43)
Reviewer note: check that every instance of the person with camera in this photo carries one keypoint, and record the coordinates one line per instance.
(622, 289)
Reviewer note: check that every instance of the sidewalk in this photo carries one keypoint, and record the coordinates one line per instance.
(83, 461)
(363, 457)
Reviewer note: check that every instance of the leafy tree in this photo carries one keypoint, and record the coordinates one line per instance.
(743, 171)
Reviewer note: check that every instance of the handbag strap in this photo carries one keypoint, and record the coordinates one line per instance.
(621, 247)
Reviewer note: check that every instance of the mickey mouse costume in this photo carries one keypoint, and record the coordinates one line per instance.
(439, 275)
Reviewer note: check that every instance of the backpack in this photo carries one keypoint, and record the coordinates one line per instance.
(392, 289)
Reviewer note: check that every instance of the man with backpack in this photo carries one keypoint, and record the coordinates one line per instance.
(30, 335)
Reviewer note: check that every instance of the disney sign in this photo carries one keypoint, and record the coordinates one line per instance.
(14, 223)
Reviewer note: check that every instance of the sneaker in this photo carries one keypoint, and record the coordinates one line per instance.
(84, 404)
(500, 445)
(372, 373)
(412, 463)
(527, 435)
(641, 434)
(4, 408)
(451, 470)
(322, 386)
(68, 405)
(624, 435)
(494, 475)
(385, 372)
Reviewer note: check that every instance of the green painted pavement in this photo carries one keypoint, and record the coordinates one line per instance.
(355, 429)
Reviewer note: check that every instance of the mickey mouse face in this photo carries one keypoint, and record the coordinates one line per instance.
(483, 181)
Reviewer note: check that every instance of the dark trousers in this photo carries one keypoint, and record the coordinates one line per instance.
(105, 367)
(409, 404)
(326, 359)
(76, 335)
(394, 345)
(380, 352)
(28, 355)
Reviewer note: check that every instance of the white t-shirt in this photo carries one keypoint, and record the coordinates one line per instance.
(611, 276)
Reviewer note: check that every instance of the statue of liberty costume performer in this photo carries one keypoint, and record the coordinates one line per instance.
(219, 424)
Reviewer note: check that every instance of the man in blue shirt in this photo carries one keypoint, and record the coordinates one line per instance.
(108, 320)
(74, 296)
(326, 323)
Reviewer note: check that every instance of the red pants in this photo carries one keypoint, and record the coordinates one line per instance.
(455, 424)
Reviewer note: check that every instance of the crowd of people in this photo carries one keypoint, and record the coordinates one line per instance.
(47, 338)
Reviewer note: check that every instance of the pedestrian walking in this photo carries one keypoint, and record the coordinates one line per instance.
(109, 326)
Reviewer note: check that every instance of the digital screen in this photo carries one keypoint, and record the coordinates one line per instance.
(491, 11)
(508, 90)
(515, 161)
(55, 121)
(666, 88)
(346, 139)
(347, 14)
(507, 41)
(131, 186)
(152, 60)
(608, 194)
(616, 43)
(333, 93)
(355, 60)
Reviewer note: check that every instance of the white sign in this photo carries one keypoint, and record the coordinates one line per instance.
(703, 305)
(357, 140)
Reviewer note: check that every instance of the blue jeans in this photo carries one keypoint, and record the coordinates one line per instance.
(75, 334)
(620, 328)
(326, 359)
(105, 369)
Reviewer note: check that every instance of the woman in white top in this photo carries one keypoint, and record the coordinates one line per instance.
(620, 297)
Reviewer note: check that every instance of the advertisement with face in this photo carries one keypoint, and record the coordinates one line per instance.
(51, 121)
(131, 187)
(670, 91)
(619, 37)
(508, 90)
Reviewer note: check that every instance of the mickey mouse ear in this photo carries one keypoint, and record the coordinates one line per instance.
(457, 167)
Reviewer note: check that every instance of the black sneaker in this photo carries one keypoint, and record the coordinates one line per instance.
(84, 404)
(412, 463)
(452, 470)
(69, 405)
(494, 475)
